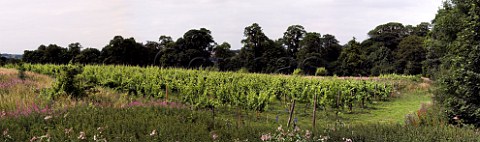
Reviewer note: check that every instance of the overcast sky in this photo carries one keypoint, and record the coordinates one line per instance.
(26, 24)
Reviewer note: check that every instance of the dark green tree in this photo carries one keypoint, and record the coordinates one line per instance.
(254, 45)
(389, 34)
(351, 61)
(88, 56)
(311, 54)
(410, 55)
(291, 39)
(382, 61)
(73, 50)
(457, 28)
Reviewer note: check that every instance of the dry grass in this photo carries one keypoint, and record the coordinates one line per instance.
(22, 97)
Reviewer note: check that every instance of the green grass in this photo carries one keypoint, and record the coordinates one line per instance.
(393, 111)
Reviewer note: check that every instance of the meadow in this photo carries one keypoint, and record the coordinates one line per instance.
(129, 103)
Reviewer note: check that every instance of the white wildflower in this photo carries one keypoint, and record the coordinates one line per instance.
(48, 117)
(153, 133)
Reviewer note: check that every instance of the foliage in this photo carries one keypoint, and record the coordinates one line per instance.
(246, 91)
(379, 54)
(351, 62)
(67, 82)
(321, 72)
(157, 124)
(410, 55)
(21, 72)
(459, 90)
(297, 72)
(292, 38)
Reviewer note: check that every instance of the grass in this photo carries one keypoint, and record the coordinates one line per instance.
(115, 116)
(393, 111)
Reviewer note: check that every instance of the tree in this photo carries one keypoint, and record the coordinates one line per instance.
(382, 61)
(389, 34)
(73, 50)
(291, 39)
(56, 54)
(410, 55)
(350, 61)
(196, 47)
(457, 29)
(88, 56)
(254, 46)
(311, 53)
(125, 52)
(223, 56)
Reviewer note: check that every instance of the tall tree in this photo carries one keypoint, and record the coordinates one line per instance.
(254, 46)
(311, 53)
(382, 61)
(88, 56)
(291, 39)
(350, 61)
(389, 34)
(410, 55)
(73, 50)
(124, 51)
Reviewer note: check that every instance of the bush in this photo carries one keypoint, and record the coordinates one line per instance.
(321, 72)
(297, 72)
(21, 72)
(243, 70)
(68, 83)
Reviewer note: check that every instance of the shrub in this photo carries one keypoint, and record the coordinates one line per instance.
(68, 83)
(243, 70)
(297, 72)
(321, 72)
(21, 72)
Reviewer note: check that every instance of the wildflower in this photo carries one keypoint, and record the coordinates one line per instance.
(456, 118)
(5, 132)
(279, 128)
(266, 137)
(100, 129)
(34, 138)
(324, 138)
(347, 140)
(153, 133)
(48, 117)
(47, 136)
(3, 114)
(68, 131)
(214, 136)
(308, 134)
(297, 129)
(82, 136)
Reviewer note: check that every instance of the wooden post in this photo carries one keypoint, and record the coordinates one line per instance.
(166, 93)
(314, 113)
(291, 113)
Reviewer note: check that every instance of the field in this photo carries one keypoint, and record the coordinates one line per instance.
(128, 103)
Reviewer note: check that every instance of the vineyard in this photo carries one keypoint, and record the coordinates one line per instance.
(206, 89)
(130, 103)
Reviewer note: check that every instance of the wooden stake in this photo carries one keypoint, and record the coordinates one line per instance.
(314, 113)
(291, 114)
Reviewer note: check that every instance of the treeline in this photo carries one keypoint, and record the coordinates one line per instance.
(391, 48)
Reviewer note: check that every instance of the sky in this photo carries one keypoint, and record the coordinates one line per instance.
(27, 24)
